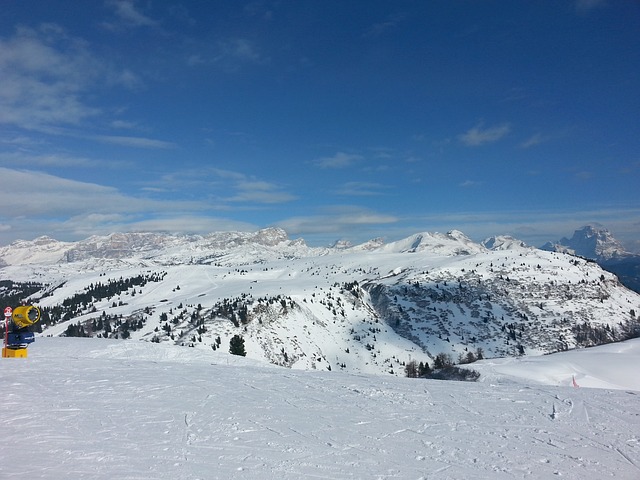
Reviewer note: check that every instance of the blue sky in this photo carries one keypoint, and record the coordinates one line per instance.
(331, 119)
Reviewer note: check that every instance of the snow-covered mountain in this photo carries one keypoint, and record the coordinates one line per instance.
(503, 242)
(597, 243)
(591, 241)
(42, 250)
(157, 248)
(363, 308)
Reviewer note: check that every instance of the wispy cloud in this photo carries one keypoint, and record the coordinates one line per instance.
(124, 124)
(58, 196)
(137, 142)
(25, 160)
(390, 23)
(250, 190)
(70, 209)
(479, 135)
(533, 140)
(339, 160)
(226, 189)
(84, 226)
(540, 138)
(42, 74)
(229, 55)
(240, 48)
(469, 183)
(260, 192)
(46, 77)
(342, 219)
(361, 189)
(129, 15)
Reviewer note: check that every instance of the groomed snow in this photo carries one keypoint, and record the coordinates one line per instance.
(99, 409)
(612, 366)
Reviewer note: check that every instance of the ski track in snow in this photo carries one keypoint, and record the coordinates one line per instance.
(93, 409)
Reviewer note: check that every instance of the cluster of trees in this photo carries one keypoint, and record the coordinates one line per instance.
(13, 293)
(587, 335)
(352, 287)
(443, 369)
(106, 326)
(75, 330)
(80, 302)
(110, 289)
(235, 309)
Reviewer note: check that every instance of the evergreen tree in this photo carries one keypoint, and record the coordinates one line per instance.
(236, 346)
(424, 369)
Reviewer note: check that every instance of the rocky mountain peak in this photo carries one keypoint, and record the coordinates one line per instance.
(590, 241)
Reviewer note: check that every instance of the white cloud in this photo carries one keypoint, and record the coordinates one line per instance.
(46, 160)
(85, 226)
(59, 197)
(137, 142)
(391, 23)
(225, 189)
(260, 192)
(532, 141)
(240, 48)
(123, 124)
(479, 135)
(229, 55)
(342, 220)
(45, 75)
(129, 15)
(36, 203)
(469, 183)
(125, 78)
(361, 189)
(339, 160)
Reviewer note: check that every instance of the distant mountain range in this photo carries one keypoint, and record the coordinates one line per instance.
(597, 243)
(363, 308)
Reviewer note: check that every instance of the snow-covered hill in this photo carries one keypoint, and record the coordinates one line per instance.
(368, 308)
(105, 409)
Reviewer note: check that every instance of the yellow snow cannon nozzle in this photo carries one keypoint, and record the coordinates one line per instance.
(25, 316)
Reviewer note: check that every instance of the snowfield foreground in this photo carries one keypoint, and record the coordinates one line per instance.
(104, 409)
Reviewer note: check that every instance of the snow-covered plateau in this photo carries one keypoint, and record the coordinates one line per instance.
(112, 409)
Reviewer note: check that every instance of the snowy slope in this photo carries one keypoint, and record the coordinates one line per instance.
(612, 366)
(104, 409)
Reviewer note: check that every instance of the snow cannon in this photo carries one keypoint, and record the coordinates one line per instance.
(17, 333)
(25, 316)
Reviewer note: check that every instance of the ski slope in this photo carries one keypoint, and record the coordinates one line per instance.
(105, 409)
